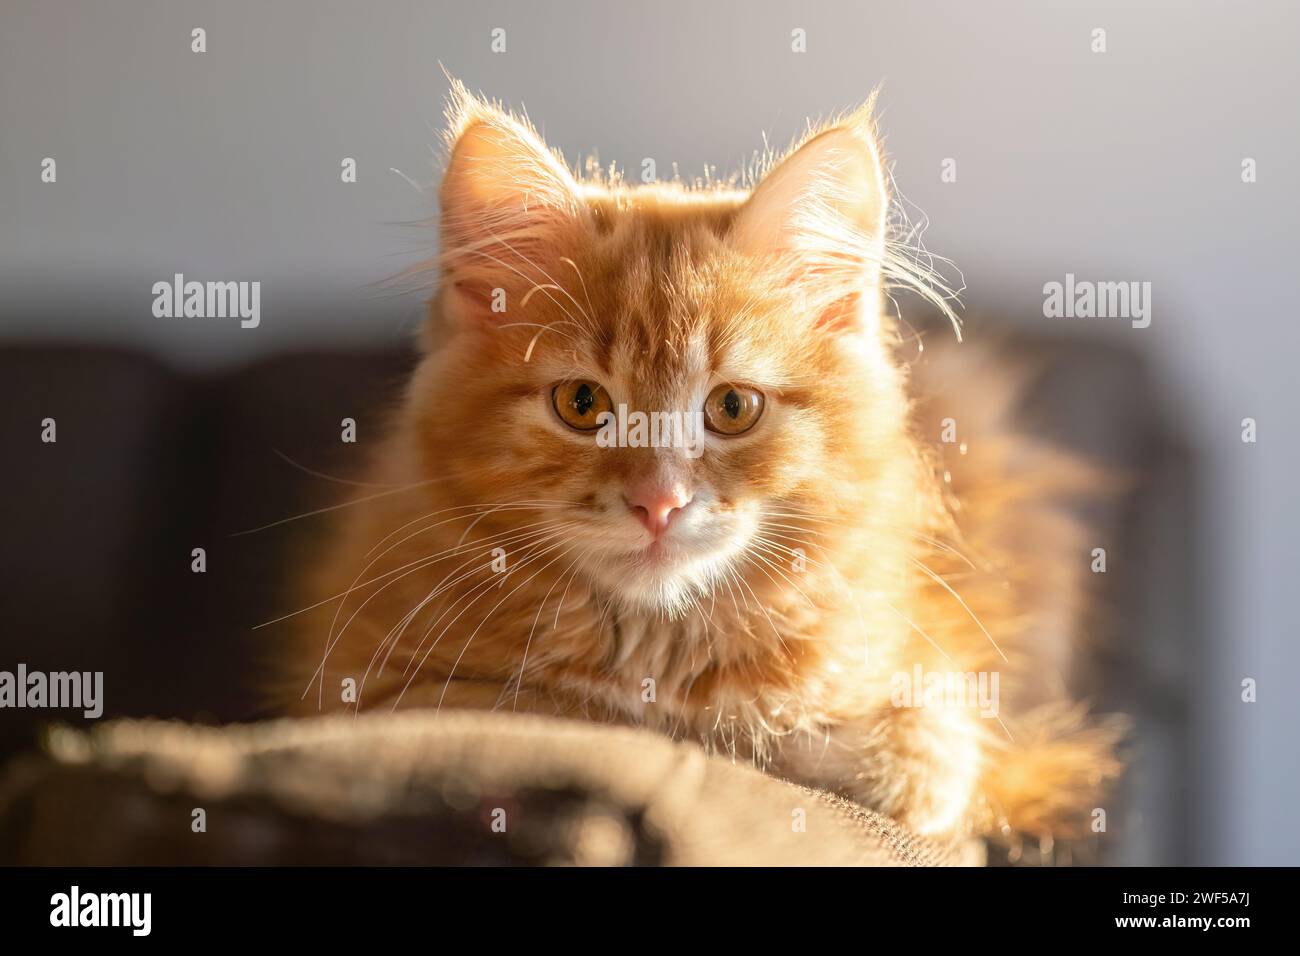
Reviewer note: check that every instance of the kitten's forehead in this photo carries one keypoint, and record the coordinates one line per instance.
(659, 371)
(671, 308)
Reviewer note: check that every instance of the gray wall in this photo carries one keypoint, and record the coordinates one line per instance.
(1123, 165)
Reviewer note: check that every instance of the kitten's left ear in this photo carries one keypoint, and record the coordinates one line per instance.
(819, 216)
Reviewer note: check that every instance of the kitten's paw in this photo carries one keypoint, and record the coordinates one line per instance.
(920, 767)
(927, 771)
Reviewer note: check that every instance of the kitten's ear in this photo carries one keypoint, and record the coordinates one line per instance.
(819, 217)
(509, 206)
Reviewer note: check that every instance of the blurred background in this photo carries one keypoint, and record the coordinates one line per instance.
(1125, 165)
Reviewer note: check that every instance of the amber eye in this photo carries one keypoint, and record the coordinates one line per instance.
(580, 404)
(732, 409)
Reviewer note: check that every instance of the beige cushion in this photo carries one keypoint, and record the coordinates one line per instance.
(425, 788)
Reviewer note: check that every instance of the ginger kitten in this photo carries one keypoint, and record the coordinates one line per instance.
(768, 562)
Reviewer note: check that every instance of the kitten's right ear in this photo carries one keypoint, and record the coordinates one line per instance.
(509, 206)
(818, 218)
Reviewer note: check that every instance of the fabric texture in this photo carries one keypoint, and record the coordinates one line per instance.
(424, 788)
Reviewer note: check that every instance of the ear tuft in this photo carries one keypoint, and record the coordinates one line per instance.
(508, 203)
(820, 216)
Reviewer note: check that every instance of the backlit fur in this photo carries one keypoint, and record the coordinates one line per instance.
(826, 552)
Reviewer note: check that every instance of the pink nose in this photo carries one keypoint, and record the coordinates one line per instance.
(655, 505)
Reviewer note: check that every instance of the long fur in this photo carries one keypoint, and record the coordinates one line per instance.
(872, 553)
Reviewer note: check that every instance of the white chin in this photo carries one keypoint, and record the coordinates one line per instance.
(670, 594)
(670, 587)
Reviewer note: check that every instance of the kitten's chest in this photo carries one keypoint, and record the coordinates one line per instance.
(654, 662)
(693, 675)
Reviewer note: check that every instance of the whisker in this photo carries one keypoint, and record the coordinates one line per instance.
(326, 510)
(779, 571)
(402, 571)
(394, 635)
(420, 665)
(343, 594)
(483, 587)
(529, 539)
(327, 477)
(743, 583)
(541, 605)
(451, 675)
(960, 600)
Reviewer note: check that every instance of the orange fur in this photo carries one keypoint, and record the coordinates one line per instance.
(855, 560)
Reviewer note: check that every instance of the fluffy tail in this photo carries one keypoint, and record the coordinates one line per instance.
(1011, 506)
(1054, 777)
